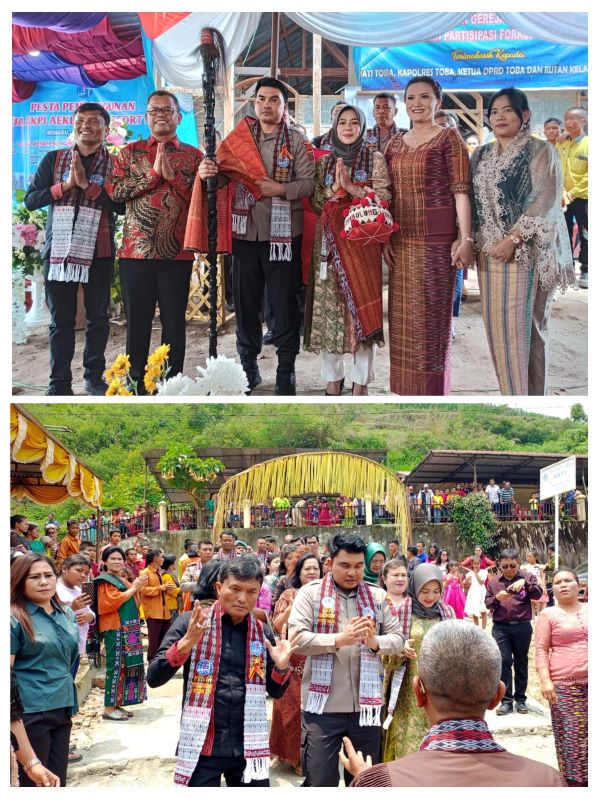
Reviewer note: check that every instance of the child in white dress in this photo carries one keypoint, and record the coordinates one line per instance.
(475, 604)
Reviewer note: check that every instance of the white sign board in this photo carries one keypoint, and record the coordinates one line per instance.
(558, 478)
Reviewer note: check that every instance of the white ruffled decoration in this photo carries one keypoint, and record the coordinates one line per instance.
(222, 377)
(178, 386)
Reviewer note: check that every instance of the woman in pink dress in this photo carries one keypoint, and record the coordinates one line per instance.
(561, 659)
(454, 594)
(324, 513)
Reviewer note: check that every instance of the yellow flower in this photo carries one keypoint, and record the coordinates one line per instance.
(122, 364)
(160, 355)
(114, 387)
(150, 381)
(109, 375)
(120, 367)
(123, 392)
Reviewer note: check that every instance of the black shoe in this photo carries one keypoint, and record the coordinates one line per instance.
(521, 707)
(253, 376)
(268, 337)
(96, 387)
(59, 391)
(230, 307)
(285, 383)
(504, 709)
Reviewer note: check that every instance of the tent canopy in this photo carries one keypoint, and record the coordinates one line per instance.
(89, 49)
(443, 466)
(43, 469)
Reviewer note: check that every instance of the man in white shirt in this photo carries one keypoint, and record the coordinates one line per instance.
(493, 494)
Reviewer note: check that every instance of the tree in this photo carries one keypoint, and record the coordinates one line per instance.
(578, 413)
(475, 522)
(187, 472)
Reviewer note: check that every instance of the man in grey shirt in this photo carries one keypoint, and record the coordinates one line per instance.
(267, 238)
(334, 687)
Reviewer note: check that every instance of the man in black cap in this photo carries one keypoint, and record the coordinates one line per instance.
(267, 237)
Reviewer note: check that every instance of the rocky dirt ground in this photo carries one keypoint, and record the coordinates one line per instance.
(140, 752)
(472, 370)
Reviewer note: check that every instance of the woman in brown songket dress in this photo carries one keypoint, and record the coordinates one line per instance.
(284, 740)
(429, 168)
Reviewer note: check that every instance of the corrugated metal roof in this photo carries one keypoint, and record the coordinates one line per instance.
(444, 466)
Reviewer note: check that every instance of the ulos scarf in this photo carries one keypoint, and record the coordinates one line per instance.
(281, 209)
(197, 724)
(78, 221)
(326, 620)
(240, 160)
(357, 269)
(460, 735)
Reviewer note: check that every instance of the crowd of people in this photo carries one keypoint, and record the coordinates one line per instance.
(434, 505)
(346, 638)
(509, 205)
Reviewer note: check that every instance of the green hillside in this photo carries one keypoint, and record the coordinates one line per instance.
(109, 438)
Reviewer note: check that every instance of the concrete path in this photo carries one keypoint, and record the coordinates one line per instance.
(141, 751)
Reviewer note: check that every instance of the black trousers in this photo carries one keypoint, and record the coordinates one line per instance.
(62, 302)
(513, 641)
(145, 282)
(157, 629)
(49, 732)
(209, 770)
(579, 209)
(252, 271)
(322, 740)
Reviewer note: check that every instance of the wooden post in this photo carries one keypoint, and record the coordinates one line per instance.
(229, 101)
(317, 41)
(368, 510)
(246, 505)
(274, 44)
(98, 523)
(162, 512)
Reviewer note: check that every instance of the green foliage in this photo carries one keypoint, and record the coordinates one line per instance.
(578, 413)
(111, 438)
(475, 522)
(184, 470)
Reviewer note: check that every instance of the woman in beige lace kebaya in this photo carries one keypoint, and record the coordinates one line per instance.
(523, 244)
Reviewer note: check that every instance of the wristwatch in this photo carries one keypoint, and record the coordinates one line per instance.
(515, 239)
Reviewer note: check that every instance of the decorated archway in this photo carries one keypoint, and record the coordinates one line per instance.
(317, 473)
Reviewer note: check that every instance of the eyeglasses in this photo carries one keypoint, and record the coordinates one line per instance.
(509, 565)
(154, 112)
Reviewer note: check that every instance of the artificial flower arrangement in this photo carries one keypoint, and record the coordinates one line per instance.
(28, 237)
(222, 376)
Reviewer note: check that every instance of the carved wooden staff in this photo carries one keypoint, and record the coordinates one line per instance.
(212, 52)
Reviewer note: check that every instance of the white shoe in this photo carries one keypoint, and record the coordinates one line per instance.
(583, 281)
(453, 330)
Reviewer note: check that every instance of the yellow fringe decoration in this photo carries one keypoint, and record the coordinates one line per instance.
(322, 473)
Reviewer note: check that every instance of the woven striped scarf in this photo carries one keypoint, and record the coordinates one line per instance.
(460, 735)
(197, 729)
(280, 236)
(77, 221)
(326, 620)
